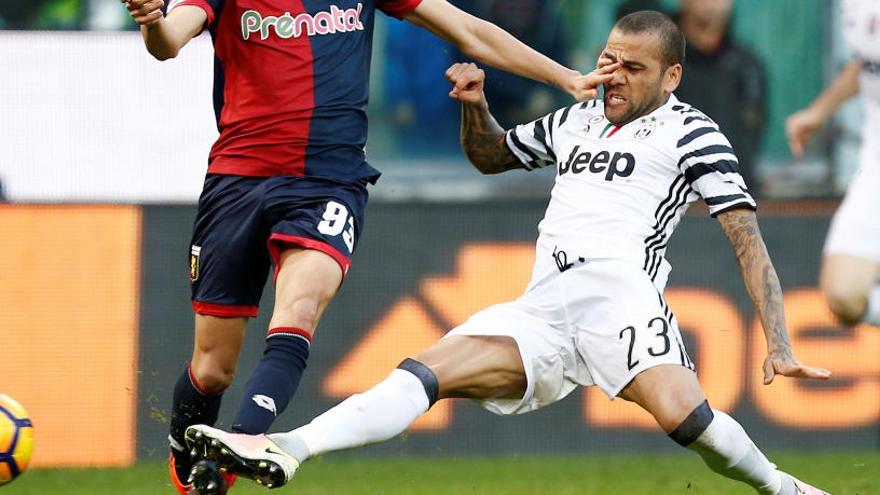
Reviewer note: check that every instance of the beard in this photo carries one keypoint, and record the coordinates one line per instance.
(633, 110)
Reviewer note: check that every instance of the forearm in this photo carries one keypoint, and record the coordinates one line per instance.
(491, 45)
(844, 87)
(762, 284)
(482, 140)
(161, 40)
(165, 37)
(759, 275)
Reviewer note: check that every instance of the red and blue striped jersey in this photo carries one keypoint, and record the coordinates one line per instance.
(291, 85)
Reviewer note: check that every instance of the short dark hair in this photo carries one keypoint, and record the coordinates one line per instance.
(671, 38)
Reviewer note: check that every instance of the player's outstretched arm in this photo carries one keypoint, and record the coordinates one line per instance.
(491, 45)
(802, 124)
(166, 35)
(482, 139)
(762, 283)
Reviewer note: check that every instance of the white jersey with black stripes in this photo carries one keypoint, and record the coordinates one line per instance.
(621, 191)
(861, 28)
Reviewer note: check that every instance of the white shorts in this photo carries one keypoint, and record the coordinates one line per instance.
(599, 323)
(855, 228)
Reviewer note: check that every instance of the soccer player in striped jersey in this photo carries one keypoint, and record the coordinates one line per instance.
(287, 179)
(593, 314)
(850, 276)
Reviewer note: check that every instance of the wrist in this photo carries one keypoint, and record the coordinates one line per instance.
(777, 347)
(155, 24)
(481, 105)
(566, 80)
(821, 111)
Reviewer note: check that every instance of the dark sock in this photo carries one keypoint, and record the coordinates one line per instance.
(274, 382)
(191, 406)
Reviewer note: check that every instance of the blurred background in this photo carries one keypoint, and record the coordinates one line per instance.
(102, 158)
(59, 54)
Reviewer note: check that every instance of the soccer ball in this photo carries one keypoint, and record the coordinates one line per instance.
(16, 439)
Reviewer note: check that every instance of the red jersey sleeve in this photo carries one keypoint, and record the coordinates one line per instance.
(208, 6)
(396, 8)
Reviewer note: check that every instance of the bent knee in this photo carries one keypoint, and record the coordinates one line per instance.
(504, 384)
(301, 312)
(847, 303)
(476, 367)
(211, 377)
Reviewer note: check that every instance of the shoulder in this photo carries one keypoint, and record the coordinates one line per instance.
(691, 132)
(682, 119)
(577, 112)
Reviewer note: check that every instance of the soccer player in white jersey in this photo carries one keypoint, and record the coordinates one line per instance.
(593, 313)
(850, 277)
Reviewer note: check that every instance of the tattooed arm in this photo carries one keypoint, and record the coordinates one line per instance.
(741, 227)
(482, 139)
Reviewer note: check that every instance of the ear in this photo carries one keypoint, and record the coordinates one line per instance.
(672, 78)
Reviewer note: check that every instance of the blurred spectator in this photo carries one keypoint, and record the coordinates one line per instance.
(2, 193)
(539, 24)
(630, 6)
(42, 14)
(724, 80)
(423, 118)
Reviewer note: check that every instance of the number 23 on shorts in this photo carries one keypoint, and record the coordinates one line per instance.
(661, 327)
(335, 221)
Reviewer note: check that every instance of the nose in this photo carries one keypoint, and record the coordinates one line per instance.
(617, 77)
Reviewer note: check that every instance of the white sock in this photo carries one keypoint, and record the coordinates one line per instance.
(378, 414)
(872, 313)
(727, 449)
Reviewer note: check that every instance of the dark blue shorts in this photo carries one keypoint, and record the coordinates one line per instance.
(243, 223)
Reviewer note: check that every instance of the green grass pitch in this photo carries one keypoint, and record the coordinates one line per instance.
(849, 473)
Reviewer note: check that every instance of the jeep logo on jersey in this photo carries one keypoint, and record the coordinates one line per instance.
(287, 26)
(616, 165)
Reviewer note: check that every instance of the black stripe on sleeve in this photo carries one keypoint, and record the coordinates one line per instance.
(702, 131)
(541, 136)
(745, 205)
(564, 116)
(698, 170)
(550, 125)
(514, 138)
(513, 149)
(696, 117)
(720, 200)
(708, 150)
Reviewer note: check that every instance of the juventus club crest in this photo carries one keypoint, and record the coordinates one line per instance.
(646, 127)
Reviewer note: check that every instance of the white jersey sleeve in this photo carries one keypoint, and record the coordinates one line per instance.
(710, 166)
(532, 143)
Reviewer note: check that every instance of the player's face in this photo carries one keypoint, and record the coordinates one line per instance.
(708, 11)
(642, 83)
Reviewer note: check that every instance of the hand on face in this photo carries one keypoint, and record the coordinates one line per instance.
(145, 12)
(586, 86)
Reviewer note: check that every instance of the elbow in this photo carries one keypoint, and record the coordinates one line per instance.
(163, 55)
(485, 167)
(162, 51)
